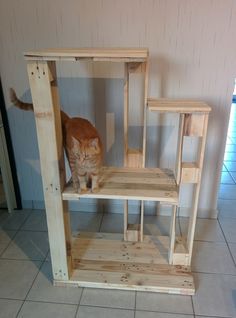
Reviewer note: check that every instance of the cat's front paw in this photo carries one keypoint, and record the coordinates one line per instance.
(95, 190)
(83, 190)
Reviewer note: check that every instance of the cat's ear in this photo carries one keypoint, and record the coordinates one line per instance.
(94, 143)
(75, 142)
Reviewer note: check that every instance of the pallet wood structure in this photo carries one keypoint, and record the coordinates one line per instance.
(130, 260)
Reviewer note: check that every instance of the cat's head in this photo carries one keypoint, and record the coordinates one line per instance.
(86, 148)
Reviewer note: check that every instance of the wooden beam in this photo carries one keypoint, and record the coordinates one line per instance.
(48, 124)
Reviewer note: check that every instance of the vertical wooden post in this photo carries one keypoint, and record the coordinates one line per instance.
(193, 216)
(172, 234)
(43, 84)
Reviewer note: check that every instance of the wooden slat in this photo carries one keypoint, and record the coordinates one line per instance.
(181, 285)
(184, 106)
(102, 54)
(104, 260)
(156, 185)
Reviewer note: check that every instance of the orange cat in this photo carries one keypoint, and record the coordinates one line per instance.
(83, 148)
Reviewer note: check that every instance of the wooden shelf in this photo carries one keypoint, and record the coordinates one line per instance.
(147, 184)
(96, 54)
(184, 106)
(104, 260)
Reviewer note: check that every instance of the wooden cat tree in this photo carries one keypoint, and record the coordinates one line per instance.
(133, 260)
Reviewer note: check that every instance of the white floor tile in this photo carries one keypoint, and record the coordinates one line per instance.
(226, 178)
(98, 312)
(39, 310)
(16, 278)
(9, 308)
(208, 230)
(212, 258)
(28, 245)
(227, 208)
(228, 227)
(164, 303)
(36, 221)
(227, 191)
(148, 314)
(108, 298)
(88, 222)
(114, 222)
(230, 165)
(232, 247)
(15, 220)
(5, 238)
(215, 295)
(43, 289)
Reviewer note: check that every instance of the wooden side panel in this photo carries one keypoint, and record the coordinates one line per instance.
(193, 216)
(135, 158)
(190, 173)
(47, 116)
(172, 234)
(179, 149)
(194, 124)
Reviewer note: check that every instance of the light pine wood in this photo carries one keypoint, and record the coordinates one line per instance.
(134, 158)
(105, 261)
(132, 260)
(179, 149)
(47, 117)
(194, 125)
(98, 54)
(190, 173)
(183, 106)
(172, 234)
(131, 183)
(193, 216)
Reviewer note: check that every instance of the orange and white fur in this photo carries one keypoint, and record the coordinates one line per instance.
(83, 148)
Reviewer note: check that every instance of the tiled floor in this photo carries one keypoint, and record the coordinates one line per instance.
(26, 281)
(25, 269)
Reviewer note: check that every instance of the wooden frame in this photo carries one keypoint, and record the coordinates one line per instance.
(130, 260)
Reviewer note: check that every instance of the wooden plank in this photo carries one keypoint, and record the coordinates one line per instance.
(172, 234)
(133, 233)
(194, 125)
(134, 158)
(179, 149)
(47, 117)
(190, 173)
(193, 216)
(127, 191)
(181, 254)
(126, 114)
(104, 260)
(103, 54)
(181, 285)
(184, 106)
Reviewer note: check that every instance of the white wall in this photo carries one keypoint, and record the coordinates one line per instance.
(192, 51)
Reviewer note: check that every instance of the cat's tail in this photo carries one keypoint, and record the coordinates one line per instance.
(18, 103)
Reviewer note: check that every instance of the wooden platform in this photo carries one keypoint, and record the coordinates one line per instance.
(147, 184)
(104, 260)
(96, 54)
(185, 106)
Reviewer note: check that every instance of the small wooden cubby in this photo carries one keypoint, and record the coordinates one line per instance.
(129, 260)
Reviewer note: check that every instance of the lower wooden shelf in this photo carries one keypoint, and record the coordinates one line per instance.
(146, 184)
(104, 260)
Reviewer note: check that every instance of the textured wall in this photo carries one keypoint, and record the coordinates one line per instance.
(192, 49)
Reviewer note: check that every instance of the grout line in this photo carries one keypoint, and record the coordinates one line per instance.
(135, 302)
(100, 225)
(208, 273)
(193, 306)
(227, 244)
(76, 312)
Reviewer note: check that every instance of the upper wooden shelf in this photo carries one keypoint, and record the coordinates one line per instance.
(184, 106)
(147, 184)
(96, 54)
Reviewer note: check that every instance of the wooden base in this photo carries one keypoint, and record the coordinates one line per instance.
(104, 260)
